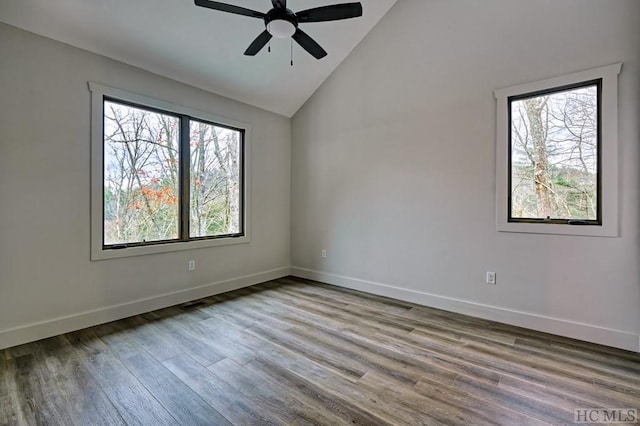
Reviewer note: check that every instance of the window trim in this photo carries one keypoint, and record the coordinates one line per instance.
(608, 154)
(100, 93)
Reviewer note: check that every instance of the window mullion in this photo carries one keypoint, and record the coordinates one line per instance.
(185, 163)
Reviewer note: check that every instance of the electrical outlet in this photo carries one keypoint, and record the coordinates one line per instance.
(192, 265)
(323, 253)
(491, 277)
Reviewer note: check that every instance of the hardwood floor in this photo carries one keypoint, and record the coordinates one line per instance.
(293, 351)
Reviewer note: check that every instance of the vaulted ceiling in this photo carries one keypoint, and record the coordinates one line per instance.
(198, 46)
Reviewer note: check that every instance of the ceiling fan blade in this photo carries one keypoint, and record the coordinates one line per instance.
(282, 4)
(330, 13)
(258, 43)
(309, 44)
(216, 5)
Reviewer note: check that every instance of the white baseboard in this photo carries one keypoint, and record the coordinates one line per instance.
(587, 332)
(32, 332)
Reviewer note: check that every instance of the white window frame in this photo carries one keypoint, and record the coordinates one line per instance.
(98, 252)
(608, 146)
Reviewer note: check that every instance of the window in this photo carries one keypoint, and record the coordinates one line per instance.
(556, 169)
(554, 155)
(164, 177)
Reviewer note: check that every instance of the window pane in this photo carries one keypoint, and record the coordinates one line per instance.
(554, 155)
(141, 178)
(215, 180)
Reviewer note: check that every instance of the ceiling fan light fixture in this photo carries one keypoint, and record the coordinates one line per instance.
(283, 23)
(281, 28)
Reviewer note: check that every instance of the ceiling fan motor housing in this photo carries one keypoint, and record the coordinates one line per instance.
(281, 23)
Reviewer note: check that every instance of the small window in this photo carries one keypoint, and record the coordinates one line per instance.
(554, 155)
(168, 178)
(557, 155)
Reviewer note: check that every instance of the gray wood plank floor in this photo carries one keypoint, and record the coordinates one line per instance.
(293, 351)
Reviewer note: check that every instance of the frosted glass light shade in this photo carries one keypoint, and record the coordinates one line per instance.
(280, 28)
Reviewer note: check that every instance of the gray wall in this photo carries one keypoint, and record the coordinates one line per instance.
(393, 166)
(45, 271)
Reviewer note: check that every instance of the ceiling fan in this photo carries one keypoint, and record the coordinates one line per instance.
(281, 22)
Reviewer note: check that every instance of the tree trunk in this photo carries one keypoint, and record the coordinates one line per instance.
(200, 192)
(234, 186)
(534, 108)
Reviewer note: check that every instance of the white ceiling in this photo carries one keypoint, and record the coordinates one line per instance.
(199, 46)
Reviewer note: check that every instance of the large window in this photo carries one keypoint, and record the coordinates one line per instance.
(556, 168)
(168, 178)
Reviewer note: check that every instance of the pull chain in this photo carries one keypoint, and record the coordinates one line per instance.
(269, 47)
(291, 52)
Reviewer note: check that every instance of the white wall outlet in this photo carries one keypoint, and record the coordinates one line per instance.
(192, 265)
(491, 277)
(323, 253)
